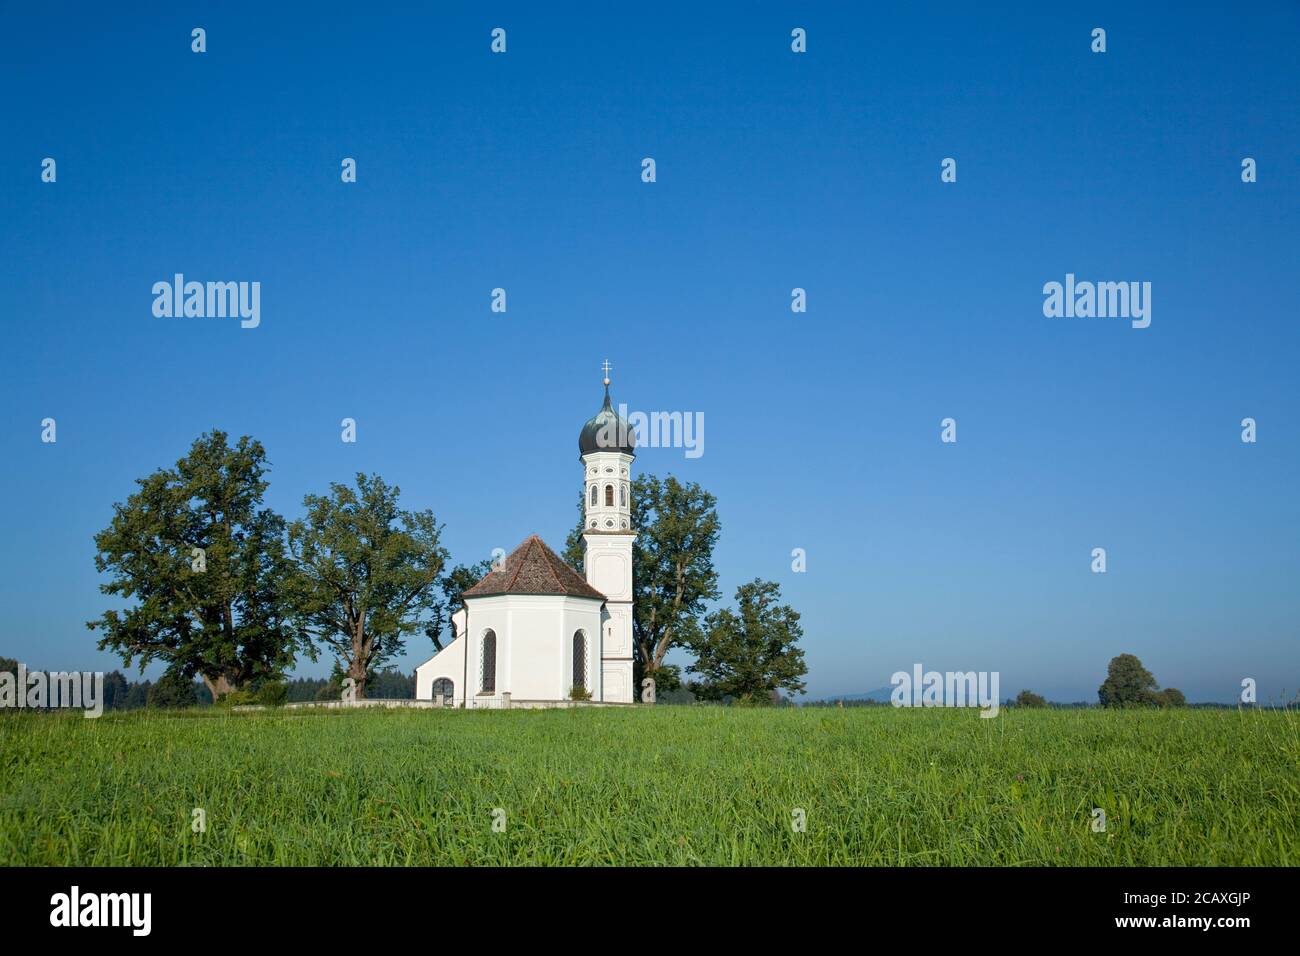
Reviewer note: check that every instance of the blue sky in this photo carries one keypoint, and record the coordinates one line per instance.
(774, 171)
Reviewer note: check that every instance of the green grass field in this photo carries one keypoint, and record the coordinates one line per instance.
(662, 785)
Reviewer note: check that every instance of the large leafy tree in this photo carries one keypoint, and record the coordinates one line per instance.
(451, 598)
(751, 653)
(206, 566)
(673, 577)
(1127, 683)
(367, 573)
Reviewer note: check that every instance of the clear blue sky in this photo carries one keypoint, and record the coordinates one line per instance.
(775, 170)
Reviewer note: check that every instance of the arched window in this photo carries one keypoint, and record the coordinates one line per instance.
(444, 690)
(579, 659)
(489, 663)
(593, 494)
(609, 496)
(622, 496)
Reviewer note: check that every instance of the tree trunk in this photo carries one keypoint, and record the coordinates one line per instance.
(218, 687)
(357, 671)
(357, 665)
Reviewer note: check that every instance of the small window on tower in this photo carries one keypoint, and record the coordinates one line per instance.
(609, 496)
(622, 496)
(593, 495)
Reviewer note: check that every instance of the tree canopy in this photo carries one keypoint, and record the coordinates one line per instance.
(366, 573)
(205, 565)
(1127, 683)
(1171, 697)
(451, 598)
(751, 654)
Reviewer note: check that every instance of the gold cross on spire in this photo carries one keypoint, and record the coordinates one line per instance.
(607, 367)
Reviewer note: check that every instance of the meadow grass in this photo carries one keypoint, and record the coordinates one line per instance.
(651, 785)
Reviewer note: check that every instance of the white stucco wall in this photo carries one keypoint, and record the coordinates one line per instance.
(609, 570)
(534, 659)
(449, 663)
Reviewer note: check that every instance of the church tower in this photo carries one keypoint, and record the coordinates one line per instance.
(607, 447)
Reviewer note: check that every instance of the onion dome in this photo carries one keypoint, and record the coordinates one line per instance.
(606, 431)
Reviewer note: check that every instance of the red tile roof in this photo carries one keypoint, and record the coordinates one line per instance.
(533, 568)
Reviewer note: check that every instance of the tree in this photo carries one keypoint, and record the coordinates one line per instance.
(173, 689)
(138, 695)
(366, 573)
(206, 565)
(304, 688)
(392, 684)
(673, 577)
(333, 688)
(115, 690)
(750, 653)
(1171, 697)
(273, 693)
(1027, 698)
(1127, 684)
(452, 586)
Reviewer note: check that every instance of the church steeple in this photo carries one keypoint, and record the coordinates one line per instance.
(607, 446)
(606, 431)
(608, 449)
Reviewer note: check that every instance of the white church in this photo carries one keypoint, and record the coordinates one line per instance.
(532, 630)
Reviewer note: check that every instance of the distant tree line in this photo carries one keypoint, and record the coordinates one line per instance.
(387, 684)
(1127, 684)
(123, 694)
(172, 691)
